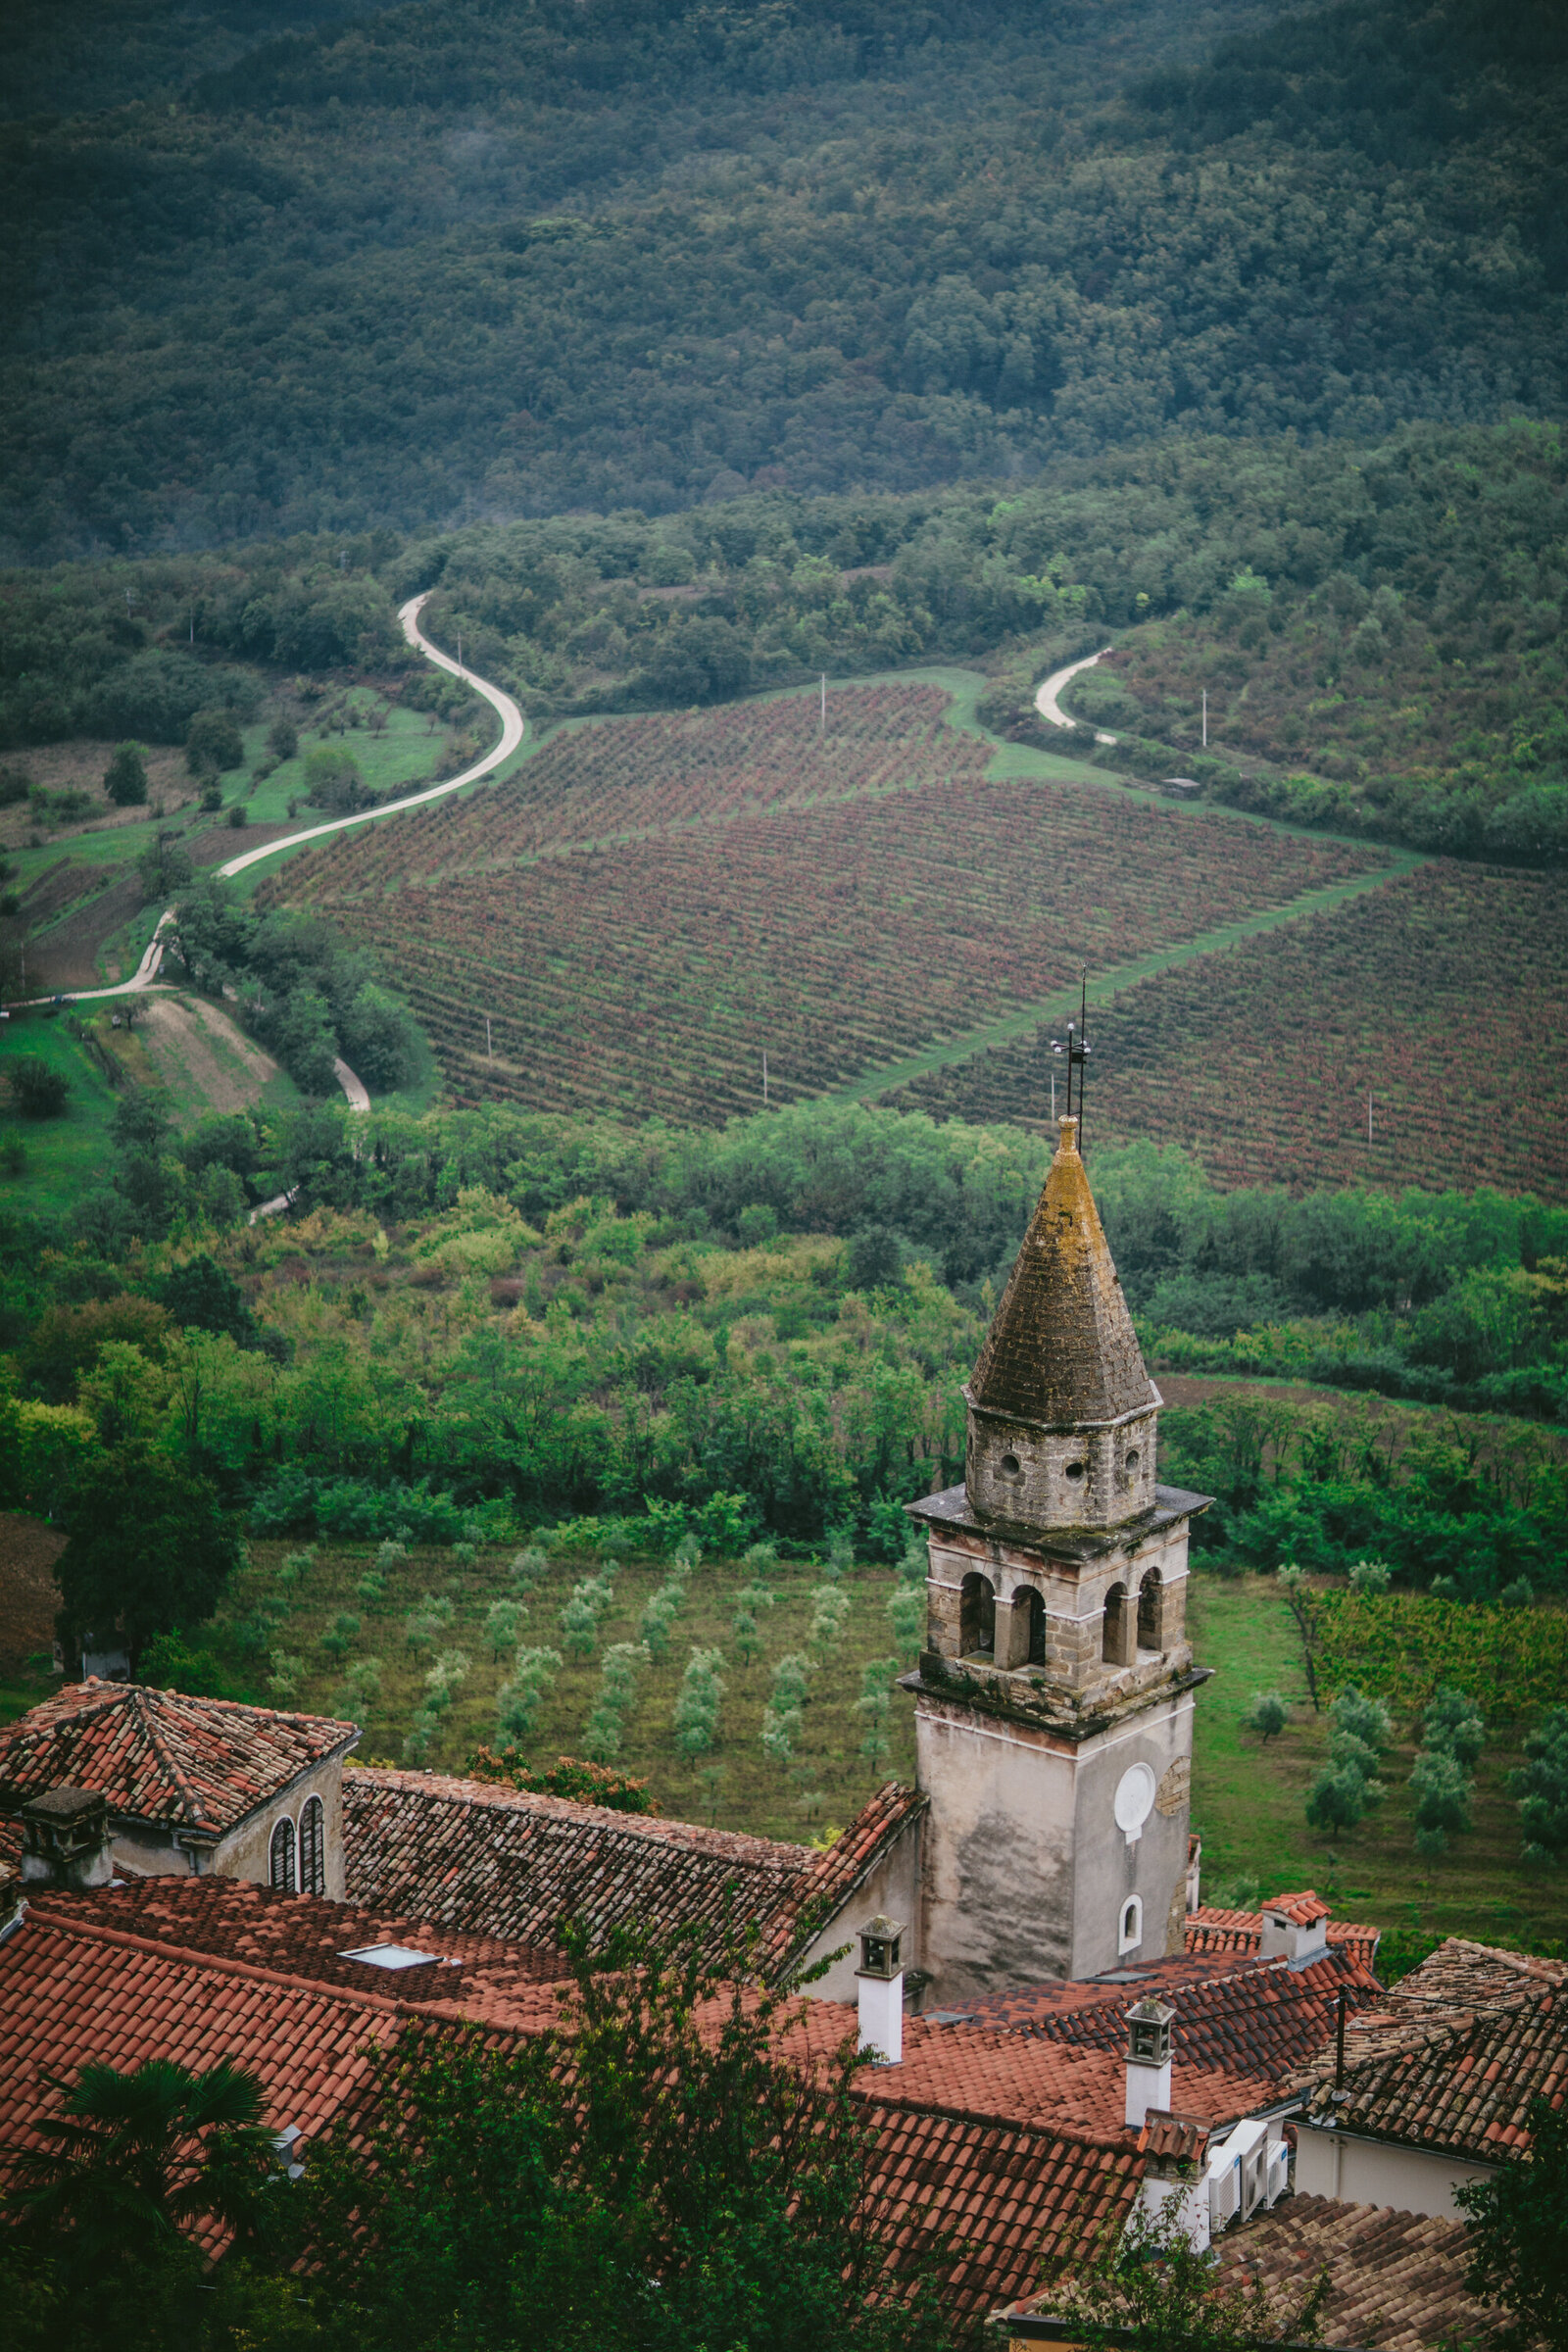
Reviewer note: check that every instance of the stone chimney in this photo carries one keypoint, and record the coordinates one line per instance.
(1175, 2185)
(880, 1979)
(1296, 1928)
(65, 1840)
(1148, 2024)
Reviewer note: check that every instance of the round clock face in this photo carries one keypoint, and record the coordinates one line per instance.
(1135, 1798)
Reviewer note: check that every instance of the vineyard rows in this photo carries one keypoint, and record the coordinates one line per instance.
(1444, 995)
(652, 977)
(640, 775)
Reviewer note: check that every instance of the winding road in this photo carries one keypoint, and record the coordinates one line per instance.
(514, 727)
(1045, 701)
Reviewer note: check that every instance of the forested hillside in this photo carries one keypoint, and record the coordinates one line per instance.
(464, 258)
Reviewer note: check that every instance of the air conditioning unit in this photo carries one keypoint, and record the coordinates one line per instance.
(1279, 2171)
(1224, 2195)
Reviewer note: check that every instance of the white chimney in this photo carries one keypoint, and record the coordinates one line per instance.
(1296, 1928)
(880, 1980)
(1148, 2025)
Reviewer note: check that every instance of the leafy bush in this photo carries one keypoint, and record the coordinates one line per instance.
(587, 1783)
(126, 776)
(1267, 1714)
(1541, 1786)
(37, 1092)
(212, 743)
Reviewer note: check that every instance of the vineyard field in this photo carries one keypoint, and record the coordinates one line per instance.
(652, 977)
(1444, 995)
(630, 777)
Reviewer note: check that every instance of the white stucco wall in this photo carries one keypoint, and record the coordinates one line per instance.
(891, 1889)
(1026, 1870)
(1371, 2171)
(148, 1851)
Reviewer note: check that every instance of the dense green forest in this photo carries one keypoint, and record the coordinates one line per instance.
(463, 258)
(1376, 629)
(478, 1321)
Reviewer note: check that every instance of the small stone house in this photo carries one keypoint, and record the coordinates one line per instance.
(194, 1786)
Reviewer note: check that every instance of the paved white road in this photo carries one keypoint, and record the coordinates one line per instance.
(513, 726)
(1045, 701)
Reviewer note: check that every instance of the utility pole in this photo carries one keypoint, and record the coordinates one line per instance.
(459, 649)
(821, 726)
(1206, 719)
(1369, 1114)
(490, 1051)
(764, 1081)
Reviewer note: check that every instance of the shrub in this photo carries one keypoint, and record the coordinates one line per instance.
(341, 1636)
(1520, 1594)
(1267, 1714)
(518, 1701)
(501, 1626)
(696, 1711)
(126, 776)
(36, 1091)
(1361, 1718)
(1541, 1786)
(1443, 1792)
(1370, 1578)
(1340, 1799)
(213, 744)
(587, 1783)
(282, 738)
(1451, 1723)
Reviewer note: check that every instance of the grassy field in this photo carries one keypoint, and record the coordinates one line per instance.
(62, 1157)
(1249, 1798)
(736, 1786)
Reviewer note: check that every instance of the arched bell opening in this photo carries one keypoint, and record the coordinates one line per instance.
(1151, 1615)
(977, 1617)
(1116, 1626)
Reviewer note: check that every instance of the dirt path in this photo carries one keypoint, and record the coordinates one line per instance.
(1045, 701)
(198, 1050)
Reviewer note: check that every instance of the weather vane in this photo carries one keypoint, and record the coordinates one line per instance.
(1076, 1048)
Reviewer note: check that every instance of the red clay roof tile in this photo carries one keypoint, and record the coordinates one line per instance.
(200, 1764)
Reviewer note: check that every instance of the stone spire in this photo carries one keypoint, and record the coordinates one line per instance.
(1061, 1362)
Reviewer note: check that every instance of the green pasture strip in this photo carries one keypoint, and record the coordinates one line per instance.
(66, 1156)
(1249, 1798)
(1060, 1006)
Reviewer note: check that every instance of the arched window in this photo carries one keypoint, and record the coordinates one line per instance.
(281, 1859)
(1028, 1628)
(1113, 1634)
(313, 1847)
(1150, 1635)
(977, 1617)
(1130, 1933)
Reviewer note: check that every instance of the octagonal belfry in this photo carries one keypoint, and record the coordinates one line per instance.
(1054, 1701)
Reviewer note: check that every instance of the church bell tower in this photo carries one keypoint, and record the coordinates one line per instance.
(1053, 1698)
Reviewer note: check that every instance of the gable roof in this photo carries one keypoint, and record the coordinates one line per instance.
(510, 1862)
(304, 1937)
(198, 1765)
(1461, 2085)
(1258, 2021)
(1211, 1930)
(1396, 2279)
(202, 1969)
(1061, 1349)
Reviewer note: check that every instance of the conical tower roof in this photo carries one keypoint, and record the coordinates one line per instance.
(1061, 1349)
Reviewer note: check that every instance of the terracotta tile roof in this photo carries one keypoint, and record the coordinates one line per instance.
(198, 1764)
(1012, 2197)
(507, 1862)
(301, 1936)
(1466, 1977)
(1209, 1930)
(1397, 2278)
(1167, 2140)
(1300, 1910)
(1259, 2021)
(266, 1992)
(1462, 2084)
(1061, 1348)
